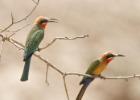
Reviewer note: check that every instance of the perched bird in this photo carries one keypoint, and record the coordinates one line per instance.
(32, 43)
(96, 68)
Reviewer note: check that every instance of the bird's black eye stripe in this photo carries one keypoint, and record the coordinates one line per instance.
(42, 21)
(110, 55)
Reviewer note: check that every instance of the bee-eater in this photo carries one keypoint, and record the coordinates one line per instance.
(32, 43)
(96, 68)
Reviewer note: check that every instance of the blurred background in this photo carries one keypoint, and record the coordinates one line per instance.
(111, 24)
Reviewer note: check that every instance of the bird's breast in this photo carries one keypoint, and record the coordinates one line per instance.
(100, 68)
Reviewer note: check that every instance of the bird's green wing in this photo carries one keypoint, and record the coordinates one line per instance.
(33, 42)
(93, 67)
(31, 33)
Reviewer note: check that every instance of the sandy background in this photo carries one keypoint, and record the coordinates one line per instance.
(111, 24)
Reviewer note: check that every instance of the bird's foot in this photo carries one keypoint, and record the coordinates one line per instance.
(38, 49)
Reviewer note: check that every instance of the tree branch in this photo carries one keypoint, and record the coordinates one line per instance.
(18, 21)
(63, 38)
(47, 69)
(1, 36)
(106, 77)
(30, 13)
(1, 49)
(65, 86)
(15, 31)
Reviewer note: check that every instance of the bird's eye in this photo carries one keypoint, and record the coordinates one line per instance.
(43, 21)
(110, 55)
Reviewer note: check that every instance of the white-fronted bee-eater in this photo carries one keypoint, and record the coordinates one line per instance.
(96, 68)
(34, 38)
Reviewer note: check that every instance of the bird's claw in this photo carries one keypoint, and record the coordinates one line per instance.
(38, 49)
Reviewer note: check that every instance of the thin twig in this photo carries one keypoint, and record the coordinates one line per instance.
(35, 2)
(106, 77)
(1, 49)
(12, 18)
(123, 77)
(1, 36)
(18, 21)
(12, 23)
(15, 31)
(65, 86)
(47, 69)
(15, 44)
(3, 30)
(79, 74)
(63, 38)
(51, 65)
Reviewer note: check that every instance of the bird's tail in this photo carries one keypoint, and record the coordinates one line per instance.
(85, 82)
(82, 91)
(25, 73)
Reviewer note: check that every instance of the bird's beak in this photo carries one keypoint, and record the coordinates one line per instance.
(119, 55)
(52, 20)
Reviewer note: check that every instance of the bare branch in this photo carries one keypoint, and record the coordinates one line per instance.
(12, 18)
(3, 30)
(51, 65)
(79, 74)
(47, 69)
(63, 38)
(65, 86)
(1, 49)
(123, 77)
(15, 44)
(18, 21)
(1, 36)
(105, 77)
(35, 2)
(15, 31)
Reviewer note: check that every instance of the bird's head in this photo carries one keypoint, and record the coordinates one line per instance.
(42, 21)
(108, 56)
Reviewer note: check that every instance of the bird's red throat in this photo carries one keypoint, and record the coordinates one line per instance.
(109, 60)
(43, 25)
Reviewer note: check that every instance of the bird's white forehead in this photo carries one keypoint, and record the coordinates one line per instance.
(108, 52)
